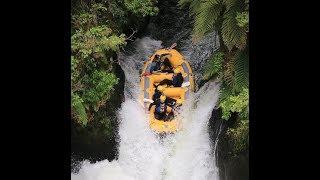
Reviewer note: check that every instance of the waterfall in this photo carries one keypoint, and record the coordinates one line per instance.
(188, 154)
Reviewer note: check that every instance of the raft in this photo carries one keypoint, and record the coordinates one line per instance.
(147, 89)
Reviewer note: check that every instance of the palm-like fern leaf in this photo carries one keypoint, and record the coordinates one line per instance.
(232, 34)
(194, 7)
(228, 74)
(225, 92)
(241, 74)
(206, 14)
(214, 66)
(183, 3)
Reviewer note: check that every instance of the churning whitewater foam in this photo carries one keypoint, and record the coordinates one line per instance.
(188, 154)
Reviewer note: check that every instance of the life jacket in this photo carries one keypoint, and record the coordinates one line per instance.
(177, 80)
(155, 66)
(161, 108)
(170, 102)
(156, 95)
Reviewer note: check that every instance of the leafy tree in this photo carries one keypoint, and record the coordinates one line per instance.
(222, 16)
(237, 104)
(142, 7)
(78, 107)
(230, 19)
(92, 80)
(96, 36)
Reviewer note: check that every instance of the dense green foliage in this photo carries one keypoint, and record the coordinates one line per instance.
(230, 19)
(223, 16)
(243, 20)
(237, 104)
(77, 105)
(214, 66)
(239, 137)
(96, 36)
(142, 7)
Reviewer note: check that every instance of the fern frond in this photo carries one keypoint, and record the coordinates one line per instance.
(225, 92)
(206, 17)
(228, 74)
(231, 3)
(183, 3)
(232, 34)
(194, 7)
(214, 66)
(241, 75)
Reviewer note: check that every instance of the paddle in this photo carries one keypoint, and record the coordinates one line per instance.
(147, 100)
(185, 84)
(172, 46)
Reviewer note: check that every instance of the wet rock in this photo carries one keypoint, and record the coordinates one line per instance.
(230, 168)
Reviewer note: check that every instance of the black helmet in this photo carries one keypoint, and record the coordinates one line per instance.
(156, 57)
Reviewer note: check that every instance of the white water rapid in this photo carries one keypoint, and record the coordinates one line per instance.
(186, 155)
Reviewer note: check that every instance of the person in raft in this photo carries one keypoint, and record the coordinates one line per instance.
(166, 67)
(177, 79)
(177, 105)
(156, 64)
(156, 97)
(157, 93)
(161, 63)
(162, 111)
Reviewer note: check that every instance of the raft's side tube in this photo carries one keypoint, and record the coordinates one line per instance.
(175, 59)
(175, 92)
(156, 78)
(162, 126)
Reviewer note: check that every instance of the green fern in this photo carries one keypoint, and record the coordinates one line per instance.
(236, 71)
(228, 74)
(232, 33)
(225, 92)
(194, 6)
(241, 74)
(214, 66)
(206, 14)
(243, 20)
(184, 3)
(220, 15)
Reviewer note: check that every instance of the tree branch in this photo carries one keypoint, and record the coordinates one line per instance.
(130, 37)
